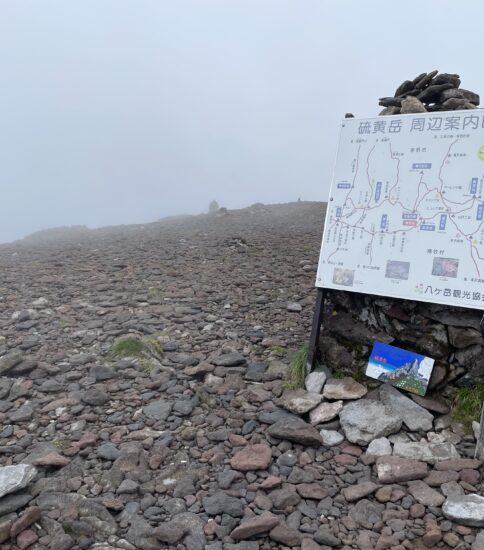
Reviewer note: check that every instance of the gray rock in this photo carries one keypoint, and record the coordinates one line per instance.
(478, 543)
(366, 513)
(414, 416)
(331, 437)
(275, 416)
(365, 420)
(14, 478)
(412, 105)
(222, 503)
(94, 396)
(141, 535)
(315, 381)
(324, 536)
(294, 306)
(108, 451)
(465, 509)
(23, 413)
(230, 360)
(379, 447)
(169, 531)
(12, 503)
(159, 409)
(9, 361)
(102, 372)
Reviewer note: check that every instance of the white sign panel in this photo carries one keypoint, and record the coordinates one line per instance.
(405, 215)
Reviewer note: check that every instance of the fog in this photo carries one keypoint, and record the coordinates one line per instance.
(118, 112)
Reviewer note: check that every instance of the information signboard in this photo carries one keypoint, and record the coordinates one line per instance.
(405, 216)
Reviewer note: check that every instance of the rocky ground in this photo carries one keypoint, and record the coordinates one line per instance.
(194, 442)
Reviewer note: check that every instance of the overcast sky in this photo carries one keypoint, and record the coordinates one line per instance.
(116, 111)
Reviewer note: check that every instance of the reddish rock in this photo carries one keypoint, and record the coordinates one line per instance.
(255, 526)
(385, 542)
(51, 459)
(31, 515)
(417, 510)
(359, 490)
(432, 537)
(352, 450)
(437, 478)
(271, 482)
(285, 535)
(87, 440)
(312, 490)
(237, 440)
(451, 539)
(115, 504)
(470, 476)
(462, 530)
(210, 527)
(393, 469)
(5, 528)
(424, 494)
(26, 539)
(345, 460)
(458, 464)
(252, 457)
(309, 544)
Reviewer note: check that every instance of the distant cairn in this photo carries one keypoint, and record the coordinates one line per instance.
(429, 92)
(213, 207)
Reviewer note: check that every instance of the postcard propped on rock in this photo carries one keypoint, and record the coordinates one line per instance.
(399, 367)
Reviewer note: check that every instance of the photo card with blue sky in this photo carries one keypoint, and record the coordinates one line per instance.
(402, 368)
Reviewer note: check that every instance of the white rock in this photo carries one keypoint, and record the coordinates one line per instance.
(315, 381)
(294, 306)
(331, 437)
(40, 302)
(213, 381)
(300, 401)
(425, 451)
(465, 509)
(379, 447)
(14, 478)
(478, 543)
(343, 388)
(365, 420)
(325, 412)
(476, 428)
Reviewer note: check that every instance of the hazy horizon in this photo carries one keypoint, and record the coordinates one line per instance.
(121, 112)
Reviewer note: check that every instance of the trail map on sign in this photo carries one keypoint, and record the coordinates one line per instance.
(405, 216)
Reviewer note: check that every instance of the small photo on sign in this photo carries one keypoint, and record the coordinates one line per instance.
(445, 267)
(399, 367)
(343, 277)
(397, 270)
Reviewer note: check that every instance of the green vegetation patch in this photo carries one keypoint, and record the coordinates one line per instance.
(467, 403)
(297, 370)
(128, 346)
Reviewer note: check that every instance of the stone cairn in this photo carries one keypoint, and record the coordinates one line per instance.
(429, 92)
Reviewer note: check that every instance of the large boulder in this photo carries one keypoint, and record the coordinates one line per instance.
(365, 420)
(415, 417)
